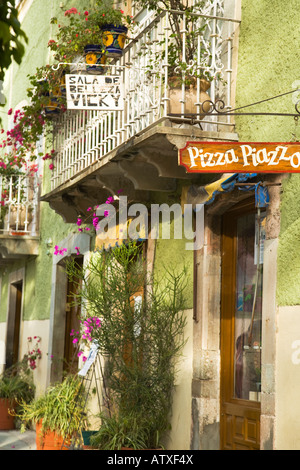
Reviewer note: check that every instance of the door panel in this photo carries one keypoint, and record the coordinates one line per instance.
(242, 250)
(72, 323)
(13, 324)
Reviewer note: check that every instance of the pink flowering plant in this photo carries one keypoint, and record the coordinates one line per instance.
(88, 222)
(34, 353)
(18, 144)
(82, 339)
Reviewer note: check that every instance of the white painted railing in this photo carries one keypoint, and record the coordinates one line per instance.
(19, 205)
(83, 137)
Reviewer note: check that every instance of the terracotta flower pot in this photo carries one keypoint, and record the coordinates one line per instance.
(7, 421)
(190, 98)
(49, 440)
(21, 214)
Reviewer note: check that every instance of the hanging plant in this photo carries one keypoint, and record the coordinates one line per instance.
(77, 31)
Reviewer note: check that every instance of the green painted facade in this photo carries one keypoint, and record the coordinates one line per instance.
(38, 272)
(268, 66)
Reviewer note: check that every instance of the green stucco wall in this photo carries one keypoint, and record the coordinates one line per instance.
(172, 256)
(38, 271)
(288, 288)
(268, 65)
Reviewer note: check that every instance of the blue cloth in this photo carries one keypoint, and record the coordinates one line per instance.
(261, 192)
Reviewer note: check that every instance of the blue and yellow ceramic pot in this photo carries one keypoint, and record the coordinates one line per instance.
(114, 38)
(94, 58)
(51, 101)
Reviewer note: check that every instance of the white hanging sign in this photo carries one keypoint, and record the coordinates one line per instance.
(90, 360)
(100, 92)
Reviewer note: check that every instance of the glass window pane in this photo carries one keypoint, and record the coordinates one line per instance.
(247, 366)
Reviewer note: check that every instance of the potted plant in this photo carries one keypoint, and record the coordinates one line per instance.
(87, 436)
(121, 432)
(96, 34)
(16, 385)
(79, 36)
(47, 95)
(140, 335)
(184, 70)
(57, 415)
(114, 25)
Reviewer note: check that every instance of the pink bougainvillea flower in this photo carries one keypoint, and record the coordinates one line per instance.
(109, 200)
(77, 250)
(51, 166)
(59, 251)
(86, 13)
(10, 111)
(95, 221)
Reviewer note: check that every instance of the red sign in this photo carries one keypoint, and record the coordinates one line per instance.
(241, 157)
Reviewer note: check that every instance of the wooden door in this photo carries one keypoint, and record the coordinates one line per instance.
(14, 324)
(72, 323)
(17, 325)
(242, 258)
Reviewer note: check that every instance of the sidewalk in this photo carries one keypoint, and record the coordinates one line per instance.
(15, 440)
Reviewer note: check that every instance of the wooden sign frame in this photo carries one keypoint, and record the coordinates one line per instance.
(240, 157)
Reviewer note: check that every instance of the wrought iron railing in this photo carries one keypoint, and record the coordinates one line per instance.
(19, 205)
(147, 69)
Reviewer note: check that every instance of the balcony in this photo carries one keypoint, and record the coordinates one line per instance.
(136, 148)
(18, 217)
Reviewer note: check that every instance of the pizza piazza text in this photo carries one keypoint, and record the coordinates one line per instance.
(246, 155)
